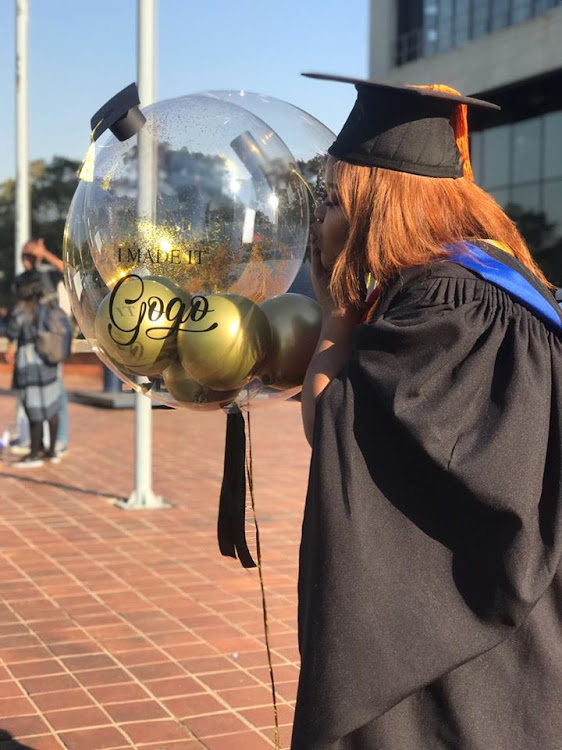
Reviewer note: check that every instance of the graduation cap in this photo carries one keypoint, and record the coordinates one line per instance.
(121, 115)
(417, 129)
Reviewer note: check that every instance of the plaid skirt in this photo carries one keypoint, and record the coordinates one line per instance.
(37, 384)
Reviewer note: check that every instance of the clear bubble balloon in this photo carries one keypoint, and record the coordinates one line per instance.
(179, 234)
(307, 138)
(227, 211)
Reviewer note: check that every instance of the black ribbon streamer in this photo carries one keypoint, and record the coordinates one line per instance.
(232, 506)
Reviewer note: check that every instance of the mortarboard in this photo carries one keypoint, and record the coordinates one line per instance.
(416, 129)
(121, 114)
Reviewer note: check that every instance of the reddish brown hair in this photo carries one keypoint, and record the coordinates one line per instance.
(398, 220)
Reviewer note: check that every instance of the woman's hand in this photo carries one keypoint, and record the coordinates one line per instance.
(40, 251)
(34, 248)
(320, 277)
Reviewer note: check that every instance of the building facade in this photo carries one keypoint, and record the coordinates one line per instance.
(506, 51)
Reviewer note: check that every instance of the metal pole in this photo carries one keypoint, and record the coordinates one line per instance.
(22, 208)
(143, 496)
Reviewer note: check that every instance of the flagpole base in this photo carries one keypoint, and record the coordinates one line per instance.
(142, 500)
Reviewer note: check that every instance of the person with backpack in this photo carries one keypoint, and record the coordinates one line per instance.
(35, 378)
(36, 257)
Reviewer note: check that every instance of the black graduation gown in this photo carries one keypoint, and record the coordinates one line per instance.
(430, 585)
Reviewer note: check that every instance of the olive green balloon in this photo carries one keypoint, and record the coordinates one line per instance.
(223, 346)
(132, 322)
(189, 392)
(295, 321)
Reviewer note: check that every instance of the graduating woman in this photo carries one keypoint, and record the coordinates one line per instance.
(430, 587)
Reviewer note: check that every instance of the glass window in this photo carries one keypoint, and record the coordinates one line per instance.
(553, 145)
(495, 158)
(501, 196)
(524, 209)
(415, 44)
(546, 237)
(430, 21)
(552, 204)
(434, 26)
(508, 162)
(431, 8)
(462, 21)
(521, 10)
(430, 32)
(541, 6)
(475, 154)
(526, 150)
(445, 25)
(500, 14)
(430, 42)
(550, 261)
(481, 18)
(526, 198)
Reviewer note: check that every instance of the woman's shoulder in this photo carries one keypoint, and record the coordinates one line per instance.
(487, 295)
(441, 282)
(438, 271)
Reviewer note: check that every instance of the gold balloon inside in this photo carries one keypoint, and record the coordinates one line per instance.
(191, 393)
(136, 324)
(295, 322)
(224, 342)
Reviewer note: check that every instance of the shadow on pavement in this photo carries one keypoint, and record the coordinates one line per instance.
(7, 742)
(59, 485)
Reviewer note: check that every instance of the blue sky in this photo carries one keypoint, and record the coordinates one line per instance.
(82, 52)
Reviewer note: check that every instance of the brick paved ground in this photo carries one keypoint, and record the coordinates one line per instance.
(127, 629)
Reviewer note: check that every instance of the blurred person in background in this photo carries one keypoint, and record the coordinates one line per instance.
(48, 268)
(36, 383)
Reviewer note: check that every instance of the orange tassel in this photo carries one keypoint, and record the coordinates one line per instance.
(459, 123)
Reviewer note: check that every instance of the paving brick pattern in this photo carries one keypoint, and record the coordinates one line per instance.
(127, 629)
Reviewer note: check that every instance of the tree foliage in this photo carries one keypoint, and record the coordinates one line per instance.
(52, 187)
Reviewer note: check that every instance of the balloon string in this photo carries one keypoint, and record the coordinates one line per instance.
(249, 473)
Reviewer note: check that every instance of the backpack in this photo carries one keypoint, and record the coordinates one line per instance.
(54, 334)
